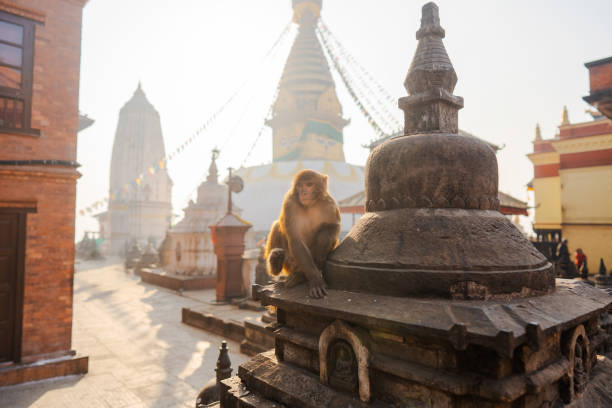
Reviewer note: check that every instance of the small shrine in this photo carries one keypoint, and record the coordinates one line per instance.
(435, 298)
(188, 246)
(187, 260)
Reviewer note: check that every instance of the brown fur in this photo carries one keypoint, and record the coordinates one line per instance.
(304, 235)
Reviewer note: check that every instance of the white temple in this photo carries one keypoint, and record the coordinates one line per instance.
(140, 206)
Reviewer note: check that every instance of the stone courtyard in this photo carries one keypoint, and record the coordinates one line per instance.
(140, 354)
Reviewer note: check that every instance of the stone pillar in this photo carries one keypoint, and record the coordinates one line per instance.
(228, 241)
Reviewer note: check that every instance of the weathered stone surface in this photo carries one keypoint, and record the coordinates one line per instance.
(295, 388)
(432, 227)
(256, 338)
(427, 252)
(432, 166)
(499, 325)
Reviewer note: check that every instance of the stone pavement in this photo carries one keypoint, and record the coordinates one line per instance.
(140, 354)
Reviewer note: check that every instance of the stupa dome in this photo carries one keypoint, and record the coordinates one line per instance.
(431, 227)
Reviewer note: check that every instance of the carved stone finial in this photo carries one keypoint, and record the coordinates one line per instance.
(213, 173)
(431, 106)
(224, 365)
(564, 117)
(538, 133)
(306, 11)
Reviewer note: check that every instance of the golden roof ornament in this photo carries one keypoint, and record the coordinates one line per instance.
(538, 133)
(564, 117)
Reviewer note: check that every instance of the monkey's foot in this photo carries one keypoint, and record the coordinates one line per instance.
(317, 289)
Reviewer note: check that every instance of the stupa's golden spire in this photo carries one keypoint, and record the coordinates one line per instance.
(307, 118)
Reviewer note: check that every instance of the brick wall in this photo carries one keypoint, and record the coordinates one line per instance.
(600, 77)
(49, 263)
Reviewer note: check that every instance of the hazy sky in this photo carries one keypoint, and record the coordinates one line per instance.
(518, 63)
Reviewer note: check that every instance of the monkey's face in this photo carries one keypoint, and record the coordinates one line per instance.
(306, 191)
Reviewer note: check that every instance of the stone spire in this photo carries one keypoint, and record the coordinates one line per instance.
(538, 133)
(213, 173)
(432, 226)
(431, 105)
(564, 117)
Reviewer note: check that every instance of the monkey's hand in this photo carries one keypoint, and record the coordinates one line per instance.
(276, 260)
(317, 287)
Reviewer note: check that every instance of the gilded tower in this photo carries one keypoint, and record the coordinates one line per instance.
(307, 118)
(140, 190)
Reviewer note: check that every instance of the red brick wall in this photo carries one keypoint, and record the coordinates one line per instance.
(599, 127)
(600, 77)
(542, 147)
(546, 170)
(586, 159)
(49, 263)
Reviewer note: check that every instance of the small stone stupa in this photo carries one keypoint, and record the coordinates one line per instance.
(435, 298)
(189, 242)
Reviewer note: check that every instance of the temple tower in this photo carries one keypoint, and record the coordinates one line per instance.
(307, 118)
(140, 207)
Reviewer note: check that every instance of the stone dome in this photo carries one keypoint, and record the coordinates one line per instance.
(431, 227)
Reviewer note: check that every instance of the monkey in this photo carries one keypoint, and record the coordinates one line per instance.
(305, 233)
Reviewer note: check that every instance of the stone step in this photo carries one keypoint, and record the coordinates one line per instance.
(251, 305)
(40, 370)
(235, 395)
(257, 338)
(206, 321)
(264, 381)
(167, 280)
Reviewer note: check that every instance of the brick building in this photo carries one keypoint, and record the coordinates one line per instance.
(40, 42)
(573, 175)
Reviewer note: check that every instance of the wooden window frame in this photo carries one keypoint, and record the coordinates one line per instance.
(27, 74)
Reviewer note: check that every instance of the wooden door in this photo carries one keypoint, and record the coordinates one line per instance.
(12, 228)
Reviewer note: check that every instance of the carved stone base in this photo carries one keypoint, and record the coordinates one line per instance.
(390, 351)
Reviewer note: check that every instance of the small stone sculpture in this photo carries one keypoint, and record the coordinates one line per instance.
(210, 392)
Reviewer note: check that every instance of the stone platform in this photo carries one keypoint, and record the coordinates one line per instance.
(448, 352)
(41, 370)
(167, 280)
